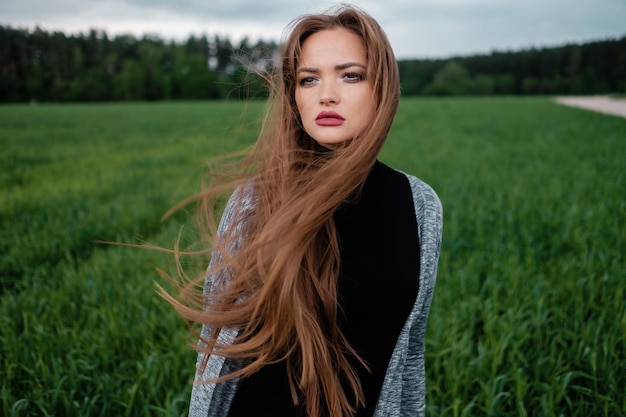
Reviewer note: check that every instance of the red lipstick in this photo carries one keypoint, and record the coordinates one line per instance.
(329, 118)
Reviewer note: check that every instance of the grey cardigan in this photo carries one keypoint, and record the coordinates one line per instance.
(403, 391)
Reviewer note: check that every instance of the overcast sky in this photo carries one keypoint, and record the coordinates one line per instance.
(416, 28)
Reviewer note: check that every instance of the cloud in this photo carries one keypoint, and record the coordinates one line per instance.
(416, 28)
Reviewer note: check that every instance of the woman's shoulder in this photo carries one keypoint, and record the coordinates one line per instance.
(422, 190)
(428, 208)
(423, 193)
(239, 207)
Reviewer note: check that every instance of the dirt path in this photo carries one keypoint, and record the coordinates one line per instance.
(602, 104)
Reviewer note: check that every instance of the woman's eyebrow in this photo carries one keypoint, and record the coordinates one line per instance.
(349, 65)
(337, 67)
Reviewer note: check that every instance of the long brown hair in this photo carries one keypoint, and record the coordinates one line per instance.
(280, 286)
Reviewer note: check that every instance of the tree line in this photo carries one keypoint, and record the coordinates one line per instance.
(597, 67)
(50, 66)
(39, 65)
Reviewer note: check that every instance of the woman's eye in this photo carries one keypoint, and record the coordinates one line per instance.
(306, 81)
(353, 77)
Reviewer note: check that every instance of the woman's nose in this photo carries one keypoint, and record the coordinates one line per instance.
(328, 94)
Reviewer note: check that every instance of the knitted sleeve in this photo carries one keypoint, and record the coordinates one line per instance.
(207, 398)
(404, 389)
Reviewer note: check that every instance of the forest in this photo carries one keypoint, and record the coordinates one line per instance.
(43, 66)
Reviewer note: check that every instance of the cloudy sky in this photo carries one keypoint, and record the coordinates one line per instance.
(416, 28)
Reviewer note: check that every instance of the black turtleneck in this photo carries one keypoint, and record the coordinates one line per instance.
(377, 287)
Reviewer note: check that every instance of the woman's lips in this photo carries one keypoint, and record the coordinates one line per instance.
(329, 118)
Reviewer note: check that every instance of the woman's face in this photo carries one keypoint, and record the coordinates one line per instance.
(333, 95)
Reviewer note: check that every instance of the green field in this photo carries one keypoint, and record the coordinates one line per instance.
(529, 314)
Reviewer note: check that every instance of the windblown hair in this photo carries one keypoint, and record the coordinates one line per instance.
(278, 287)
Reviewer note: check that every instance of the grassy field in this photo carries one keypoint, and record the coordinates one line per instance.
(529, 314)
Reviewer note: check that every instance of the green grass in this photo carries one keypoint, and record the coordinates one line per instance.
(528, 318)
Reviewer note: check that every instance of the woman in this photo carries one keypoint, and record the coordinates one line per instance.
(324, 264)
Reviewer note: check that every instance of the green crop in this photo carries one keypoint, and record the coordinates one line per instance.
(529, 313)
